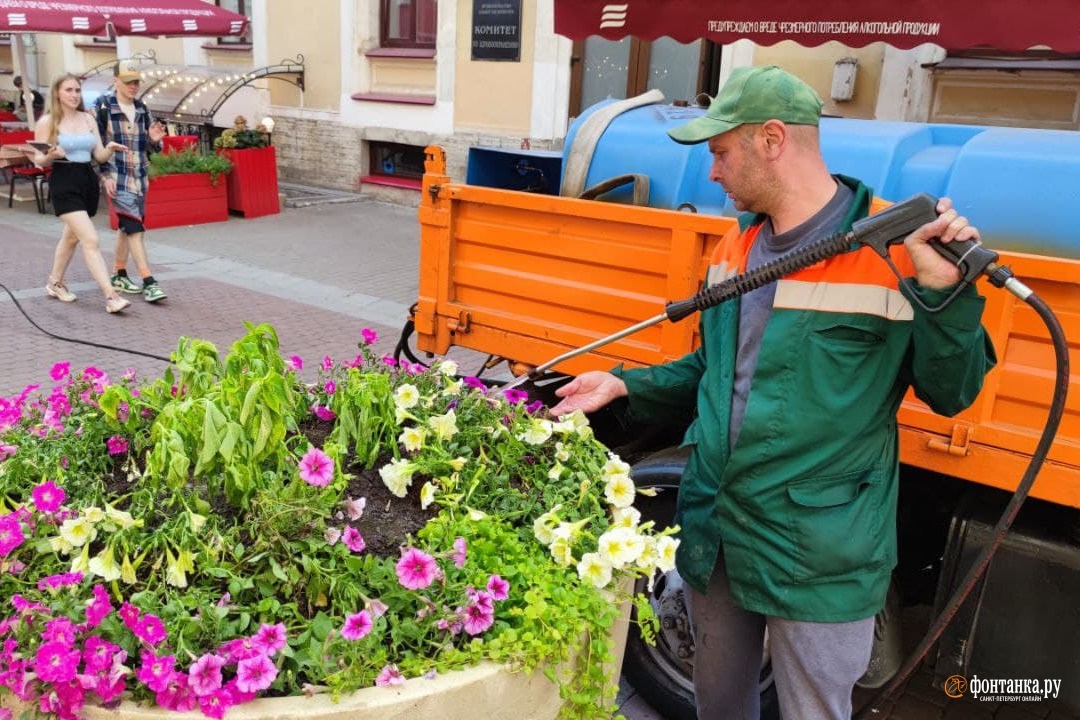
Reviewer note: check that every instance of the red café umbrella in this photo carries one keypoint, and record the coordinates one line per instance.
(126, 17)
(953, 24)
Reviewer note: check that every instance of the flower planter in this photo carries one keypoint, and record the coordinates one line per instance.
(488, 690)
(182, 199)
(252, 184)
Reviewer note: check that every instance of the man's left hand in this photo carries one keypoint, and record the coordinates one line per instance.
(931, 270)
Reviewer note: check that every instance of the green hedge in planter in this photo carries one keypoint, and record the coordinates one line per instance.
(189, 161)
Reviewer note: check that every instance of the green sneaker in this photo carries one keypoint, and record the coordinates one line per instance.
(124, 284)
(153, 293)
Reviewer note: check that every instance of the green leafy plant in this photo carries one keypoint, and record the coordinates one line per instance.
(240, 136)
(189, 161)
(229, 530)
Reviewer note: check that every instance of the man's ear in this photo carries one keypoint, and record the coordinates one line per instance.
(774, 135)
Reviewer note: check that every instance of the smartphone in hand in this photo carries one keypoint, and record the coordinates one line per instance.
(41, 147)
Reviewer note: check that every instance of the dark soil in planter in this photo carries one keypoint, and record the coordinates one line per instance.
(387, 522)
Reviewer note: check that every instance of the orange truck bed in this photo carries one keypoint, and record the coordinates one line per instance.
(528, 277)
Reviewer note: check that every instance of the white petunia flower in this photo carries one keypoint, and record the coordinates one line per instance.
(614, 467)
(427, 494)
(406, 396)
(556, 471)
(445, 426)
(544, 526)
(93, 514)
(625, 517)
(537, 433)
(448, 368)
(120, 518)
(592, 568)
(412, 438)
(77, 531)
(397, 476)
(105, 565)
(620, 546)
(561, 453)
(619, 491)
(562, 550)
(665, 551)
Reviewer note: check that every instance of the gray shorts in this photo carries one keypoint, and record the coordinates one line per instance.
(130, 210)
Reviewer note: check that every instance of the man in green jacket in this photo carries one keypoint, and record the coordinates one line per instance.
(788, 500)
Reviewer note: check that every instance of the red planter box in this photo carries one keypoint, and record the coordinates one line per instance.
(252, 184)
(184, 199)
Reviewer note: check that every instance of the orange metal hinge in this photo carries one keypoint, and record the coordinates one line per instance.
(957, 444)
(460, 324)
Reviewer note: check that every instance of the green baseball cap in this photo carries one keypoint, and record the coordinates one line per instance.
(753, 95)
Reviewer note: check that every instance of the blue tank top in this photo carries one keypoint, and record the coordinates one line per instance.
(78, 146)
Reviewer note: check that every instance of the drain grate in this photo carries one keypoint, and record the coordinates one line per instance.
(298, 196)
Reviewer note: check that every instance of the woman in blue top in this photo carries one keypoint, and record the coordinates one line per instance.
(75, 143)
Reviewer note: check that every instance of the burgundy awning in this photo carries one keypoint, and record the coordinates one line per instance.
(953, 24)
(127, 17)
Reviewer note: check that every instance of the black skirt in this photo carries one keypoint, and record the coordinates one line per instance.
(74, 186)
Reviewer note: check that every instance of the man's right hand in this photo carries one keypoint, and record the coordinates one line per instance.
(109, 183)
(589, 392)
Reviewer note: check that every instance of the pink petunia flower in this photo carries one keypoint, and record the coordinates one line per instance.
(369, 335)
(357, 625)
(390, 675)
(48, 497)
(331, 535)
(11, 534)
(478, 619)
(117, 445)
(270, 638)
(204, 675)
(327, 363)
(255, 673)
(216, 703)
(353, 539)
(177, 694)
(99, 607)
(150, 629)
(355, 508)
(459, 552)
(60, 371)
(295, 363)
(98, 654)
(316, 468)
(499, 588)
(416, 569)
(155, 672)
(324, 413)
(56, 662)
(330, 387)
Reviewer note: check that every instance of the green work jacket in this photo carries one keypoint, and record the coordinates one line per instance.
(804, 506)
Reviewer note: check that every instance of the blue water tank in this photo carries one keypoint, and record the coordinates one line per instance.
(1021, 187)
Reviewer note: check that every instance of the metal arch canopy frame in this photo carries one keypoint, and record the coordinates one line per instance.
(1006, 25)
(194, 94)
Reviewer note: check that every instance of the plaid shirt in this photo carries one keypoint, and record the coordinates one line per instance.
(128, 169)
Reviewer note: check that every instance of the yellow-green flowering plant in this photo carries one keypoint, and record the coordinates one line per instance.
(220, 533)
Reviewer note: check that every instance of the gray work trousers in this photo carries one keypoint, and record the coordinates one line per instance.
(815, 665)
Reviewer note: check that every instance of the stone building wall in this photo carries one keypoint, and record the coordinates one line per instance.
(328, 154)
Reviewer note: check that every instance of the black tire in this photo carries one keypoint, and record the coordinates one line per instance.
(661, 673)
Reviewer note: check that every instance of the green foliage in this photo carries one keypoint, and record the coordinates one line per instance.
(240, 136)
(189, 160)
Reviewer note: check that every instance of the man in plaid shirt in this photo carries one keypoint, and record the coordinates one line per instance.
(124, 118)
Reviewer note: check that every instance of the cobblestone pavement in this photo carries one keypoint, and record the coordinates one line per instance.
(318, 274)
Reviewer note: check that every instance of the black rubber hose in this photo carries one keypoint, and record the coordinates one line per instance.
(1057, 409)
(76, 340)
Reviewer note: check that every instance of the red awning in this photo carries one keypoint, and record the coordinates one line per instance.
(953, 24)
(127, 17)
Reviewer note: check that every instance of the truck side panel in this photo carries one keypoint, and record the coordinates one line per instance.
(529, 277)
